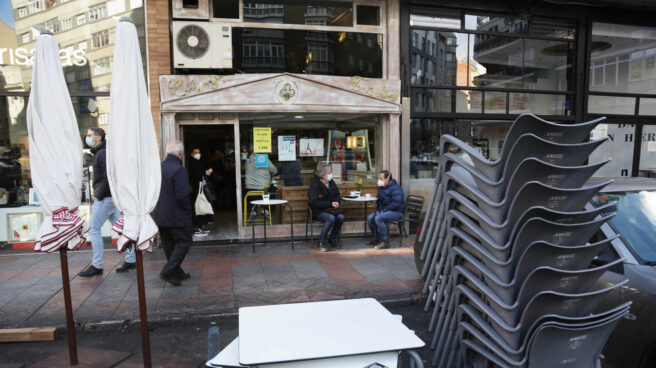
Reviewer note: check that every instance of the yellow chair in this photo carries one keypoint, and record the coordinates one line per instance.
(254, 193)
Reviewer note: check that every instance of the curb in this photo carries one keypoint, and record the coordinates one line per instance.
(387, 301)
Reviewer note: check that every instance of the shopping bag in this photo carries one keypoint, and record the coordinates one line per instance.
(202, 205)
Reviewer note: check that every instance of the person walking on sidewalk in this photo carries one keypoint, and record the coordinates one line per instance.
(103, 208)
(324, 198)
(173, 214)
(390, 207)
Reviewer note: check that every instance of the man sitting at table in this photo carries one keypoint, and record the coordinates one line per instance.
(390, 207)
(323, 199)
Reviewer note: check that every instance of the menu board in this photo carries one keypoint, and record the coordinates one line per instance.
(286, 148)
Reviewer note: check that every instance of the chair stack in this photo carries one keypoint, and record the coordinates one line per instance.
(507, 251)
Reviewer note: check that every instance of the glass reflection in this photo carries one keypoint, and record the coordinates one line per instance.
(320, 13)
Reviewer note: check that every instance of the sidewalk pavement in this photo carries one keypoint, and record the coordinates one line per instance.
(223, 279)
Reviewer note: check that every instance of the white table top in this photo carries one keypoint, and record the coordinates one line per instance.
(304, 331)
(360, 199)
(229, 358)
(271, 202)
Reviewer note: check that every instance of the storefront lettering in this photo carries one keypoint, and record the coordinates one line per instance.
(183, 87)
(25, 57)
(380, 92)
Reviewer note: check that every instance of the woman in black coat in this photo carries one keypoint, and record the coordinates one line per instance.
(324, 200)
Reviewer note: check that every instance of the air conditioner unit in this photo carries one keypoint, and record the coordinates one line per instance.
(202, 45)
(190, 9)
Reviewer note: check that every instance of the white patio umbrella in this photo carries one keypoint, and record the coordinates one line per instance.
(133, 164)
(55, 151)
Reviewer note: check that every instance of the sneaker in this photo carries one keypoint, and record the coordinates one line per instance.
(90, 272)
(200, 234)
(127, 266)
(324, 248)
(384, 244)
(170, 280)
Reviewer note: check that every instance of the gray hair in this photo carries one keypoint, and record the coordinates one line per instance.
(174, 148)
(323, 168)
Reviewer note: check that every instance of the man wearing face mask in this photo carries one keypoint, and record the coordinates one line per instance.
(103, 208)
(173, 214)
(390, 207)
(197, 172)
(323, 199)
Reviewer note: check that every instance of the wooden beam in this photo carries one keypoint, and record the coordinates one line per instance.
(27, 334)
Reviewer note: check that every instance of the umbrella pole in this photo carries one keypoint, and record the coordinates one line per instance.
(143, 313)
(68, 306)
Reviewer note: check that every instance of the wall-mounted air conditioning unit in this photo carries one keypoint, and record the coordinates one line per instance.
(202, 45)
(191, 9)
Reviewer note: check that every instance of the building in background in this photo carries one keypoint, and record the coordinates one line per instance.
(85, 33)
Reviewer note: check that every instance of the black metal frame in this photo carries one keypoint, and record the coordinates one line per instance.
(580, 89)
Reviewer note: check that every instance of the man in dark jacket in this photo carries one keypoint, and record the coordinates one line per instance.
(390, 207)
(173, 214)
(103, 208)
(323, 199)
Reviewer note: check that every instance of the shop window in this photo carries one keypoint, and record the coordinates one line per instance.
(190, 4)
(442, 21)
(325, 13)
(368, 15)
(648, 151)
(228, 9)
(310, 52)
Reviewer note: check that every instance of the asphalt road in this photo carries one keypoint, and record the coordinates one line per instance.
(170, 341)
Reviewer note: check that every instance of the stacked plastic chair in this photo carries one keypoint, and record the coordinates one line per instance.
(507, 252)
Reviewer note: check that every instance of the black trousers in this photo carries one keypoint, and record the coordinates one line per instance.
(176, 242)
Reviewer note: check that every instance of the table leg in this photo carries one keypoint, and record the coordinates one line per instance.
(265, 222)
(365, 219)
(252, 218)
(291, 221)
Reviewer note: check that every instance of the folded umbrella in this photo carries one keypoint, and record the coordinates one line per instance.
(55, 151)
(133, 164)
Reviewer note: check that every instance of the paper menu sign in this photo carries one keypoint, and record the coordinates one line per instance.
(286, 148)
(262, 140)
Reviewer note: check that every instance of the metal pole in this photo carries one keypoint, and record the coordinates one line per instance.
(68, 306)
(143, 312)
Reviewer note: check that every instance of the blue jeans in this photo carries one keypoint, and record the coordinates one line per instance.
(329, 220)
(378, 220)
(102, 211)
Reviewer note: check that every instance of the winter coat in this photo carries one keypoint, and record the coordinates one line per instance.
(174, 206)
(100, 182)
(320, 197)
(390, 198)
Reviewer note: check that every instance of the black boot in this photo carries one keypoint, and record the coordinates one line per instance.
(126, 267)
(384, 244)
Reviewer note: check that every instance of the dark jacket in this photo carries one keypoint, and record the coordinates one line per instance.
(291, 173)
(390, 198)
(321, 198)
(100, 183)
(174, 206)
(196, 171)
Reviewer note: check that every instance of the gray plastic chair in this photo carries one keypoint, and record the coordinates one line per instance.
(553, 344)
(545, 307)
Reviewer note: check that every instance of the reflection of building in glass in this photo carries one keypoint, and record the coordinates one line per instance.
(86, 38)
(320, 57)
(263, 49)
(433, 62)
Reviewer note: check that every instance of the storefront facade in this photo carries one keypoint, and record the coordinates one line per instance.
(317, 82)
(473, 66)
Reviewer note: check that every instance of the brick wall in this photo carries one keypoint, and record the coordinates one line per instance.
(159, 52)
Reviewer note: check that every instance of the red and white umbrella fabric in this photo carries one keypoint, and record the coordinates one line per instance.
(133, 164)
(55, 151)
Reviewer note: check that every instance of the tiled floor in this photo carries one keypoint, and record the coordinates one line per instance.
(223, 278)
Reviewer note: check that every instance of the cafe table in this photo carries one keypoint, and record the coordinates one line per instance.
(365, 200)
(270, 202)
(280, 335)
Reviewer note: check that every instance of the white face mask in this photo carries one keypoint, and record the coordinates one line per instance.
(196, 156)
(329, 177)
(381, 183)
(89, 141)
